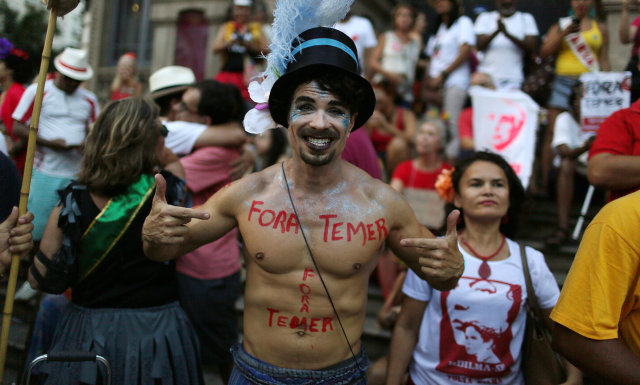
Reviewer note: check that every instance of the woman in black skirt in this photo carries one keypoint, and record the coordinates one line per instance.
(124, 306)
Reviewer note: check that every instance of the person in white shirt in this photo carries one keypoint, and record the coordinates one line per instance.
(473, 334)
(571, 144)
(504, 36)
(189, 130)
(360, 30)
(449, 72)
(67, 112)
(396, 56)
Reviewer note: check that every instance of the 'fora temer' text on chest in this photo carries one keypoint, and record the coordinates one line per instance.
(335, 228)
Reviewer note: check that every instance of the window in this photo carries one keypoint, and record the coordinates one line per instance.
(131, 31)
(191, 41)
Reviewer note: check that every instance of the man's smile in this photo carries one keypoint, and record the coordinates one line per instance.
(317, 143)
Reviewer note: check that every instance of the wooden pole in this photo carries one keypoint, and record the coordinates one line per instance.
(24, 192)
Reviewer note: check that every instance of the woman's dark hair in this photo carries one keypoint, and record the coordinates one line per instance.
(454, 14)
(508, 226)
(278, 146)
(21, 67)
(165, 102)
(221, 102)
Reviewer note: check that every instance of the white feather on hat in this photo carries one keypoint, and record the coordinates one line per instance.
(291, 17)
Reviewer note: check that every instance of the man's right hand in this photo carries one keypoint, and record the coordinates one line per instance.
(58, 144)
(440, 258)
(166, 224)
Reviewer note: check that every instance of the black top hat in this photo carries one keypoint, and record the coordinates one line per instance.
(319, 50)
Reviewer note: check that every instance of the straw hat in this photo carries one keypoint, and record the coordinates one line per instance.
(74, 63)
(170, 79)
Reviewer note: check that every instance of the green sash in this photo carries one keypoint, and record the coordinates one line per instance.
(113, 221)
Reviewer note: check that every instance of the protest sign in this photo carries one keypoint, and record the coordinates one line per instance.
(505, 122)
(604, 94)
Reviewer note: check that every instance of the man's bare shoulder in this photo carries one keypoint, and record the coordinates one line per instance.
(247, 187)
(373, 188)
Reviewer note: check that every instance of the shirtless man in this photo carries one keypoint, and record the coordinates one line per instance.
(344, 214)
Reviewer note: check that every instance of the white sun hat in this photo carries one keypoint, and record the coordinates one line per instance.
(170, 79)
(74, 63)
(242, 3)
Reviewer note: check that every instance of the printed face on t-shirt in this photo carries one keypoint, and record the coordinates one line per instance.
(476, 327)
(479, 345)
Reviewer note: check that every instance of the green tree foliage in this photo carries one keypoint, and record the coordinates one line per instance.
(26, 32)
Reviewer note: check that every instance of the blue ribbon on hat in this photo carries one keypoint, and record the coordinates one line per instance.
(325, 41)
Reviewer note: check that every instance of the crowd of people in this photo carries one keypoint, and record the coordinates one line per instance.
(150, 215)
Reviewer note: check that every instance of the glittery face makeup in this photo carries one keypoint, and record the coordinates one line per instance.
(319, 123)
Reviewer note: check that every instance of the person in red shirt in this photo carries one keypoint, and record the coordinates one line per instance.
(15, 71)
(614, 158)
(126, 82)
(391, 127)
(630, 33)
(416, 178)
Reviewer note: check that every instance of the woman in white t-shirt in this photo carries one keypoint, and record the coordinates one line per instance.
(396, 55)
(473, 333)
(505, 35)
(449, 71)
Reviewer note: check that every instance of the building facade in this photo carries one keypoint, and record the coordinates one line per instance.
(166, 32)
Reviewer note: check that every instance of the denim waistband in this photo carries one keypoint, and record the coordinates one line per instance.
(350, 371)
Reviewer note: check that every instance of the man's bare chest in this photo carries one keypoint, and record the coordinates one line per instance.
(337, 233)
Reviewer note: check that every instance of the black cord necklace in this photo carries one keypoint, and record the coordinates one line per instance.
(335, 311)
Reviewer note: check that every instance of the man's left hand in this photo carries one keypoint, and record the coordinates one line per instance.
(440, 258)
